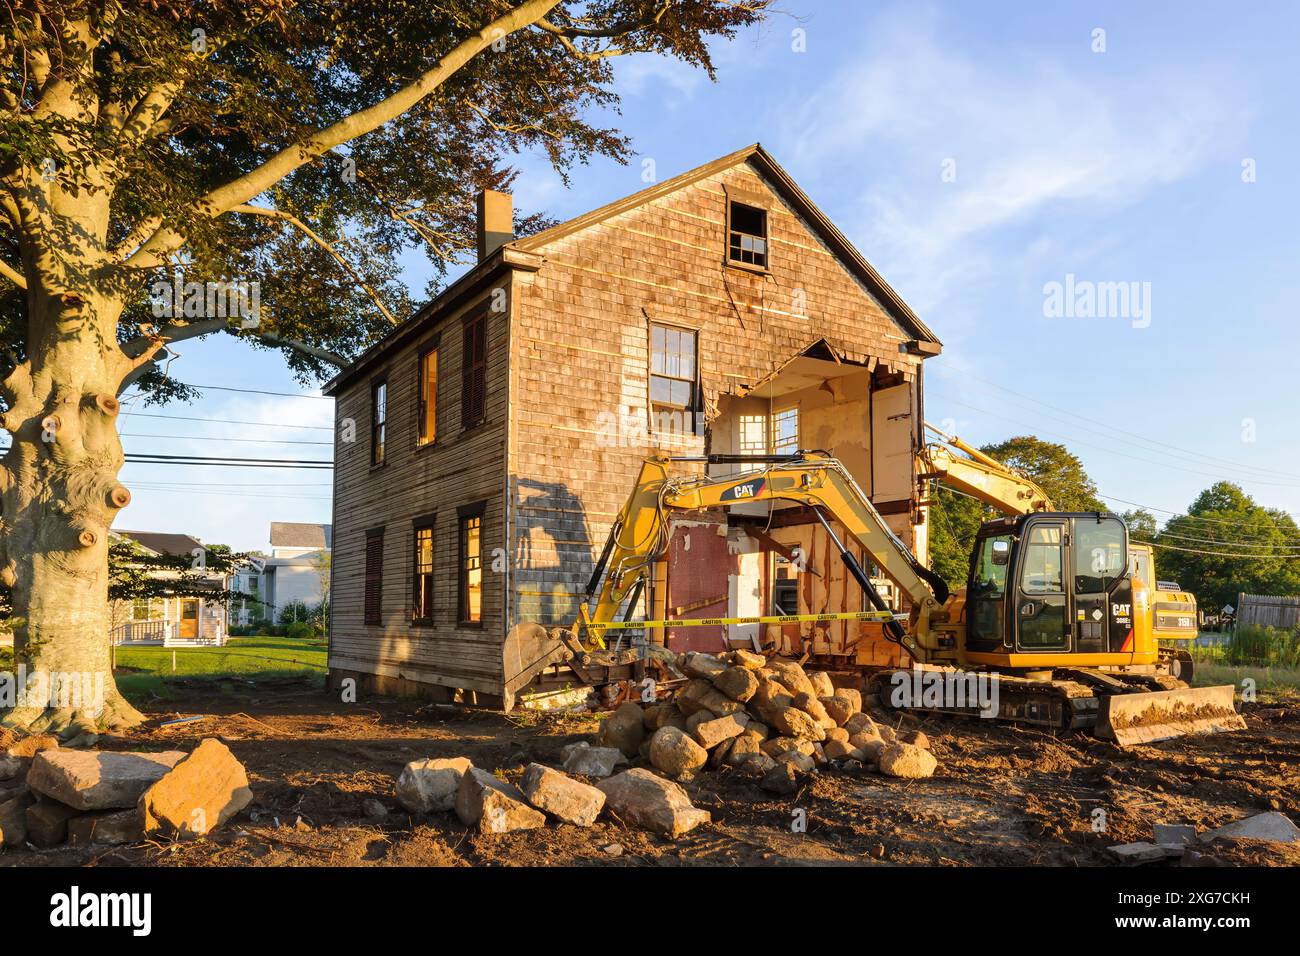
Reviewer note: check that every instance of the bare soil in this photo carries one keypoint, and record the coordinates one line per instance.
(1002, 795)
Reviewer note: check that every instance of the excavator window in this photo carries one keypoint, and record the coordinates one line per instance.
(988, 587)
(1100, 554)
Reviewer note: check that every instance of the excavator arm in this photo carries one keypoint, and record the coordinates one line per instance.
(981, 476)
(639, 537)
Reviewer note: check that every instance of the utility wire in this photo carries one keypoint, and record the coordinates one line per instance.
(225, 421)
(1106, 425)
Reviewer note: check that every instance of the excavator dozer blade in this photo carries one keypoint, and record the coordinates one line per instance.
(528, 650)
(1144, 718)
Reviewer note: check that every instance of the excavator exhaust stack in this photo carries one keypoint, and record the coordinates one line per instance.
(1145, 718)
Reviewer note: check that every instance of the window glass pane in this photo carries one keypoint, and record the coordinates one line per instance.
(785, 431)
(1099, 556)
(679, 393)
(1041, 566)
(659, 389)
(753, 434)
(472, 568)
(428, 397)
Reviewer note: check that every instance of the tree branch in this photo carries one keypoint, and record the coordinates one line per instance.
(314, 237)
(12, 275)
(221, 200)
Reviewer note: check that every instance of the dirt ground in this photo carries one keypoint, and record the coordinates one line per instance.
(1002, 795)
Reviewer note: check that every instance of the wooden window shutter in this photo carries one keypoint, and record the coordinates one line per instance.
(473, 380)
(374, 586)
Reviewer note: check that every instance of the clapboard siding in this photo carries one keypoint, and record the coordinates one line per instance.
(581, 357)
(460, 469)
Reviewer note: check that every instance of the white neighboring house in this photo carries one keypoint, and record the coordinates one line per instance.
(291, 573)
(174, 621)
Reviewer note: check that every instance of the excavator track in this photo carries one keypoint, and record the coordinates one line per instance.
(1127, 707)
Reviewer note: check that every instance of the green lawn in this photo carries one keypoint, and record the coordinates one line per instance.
(144, 671)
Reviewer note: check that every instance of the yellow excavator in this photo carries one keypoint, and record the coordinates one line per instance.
(1052, 616)
(980, 476)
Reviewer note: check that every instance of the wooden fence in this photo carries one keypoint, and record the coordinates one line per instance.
(1268, 610)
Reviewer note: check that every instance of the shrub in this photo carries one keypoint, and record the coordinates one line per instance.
(300, 630)
(1260, 645)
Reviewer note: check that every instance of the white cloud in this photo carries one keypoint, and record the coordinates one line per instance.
(1030, 137)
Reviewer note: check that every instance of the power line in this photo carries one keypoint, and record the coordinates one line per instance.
(1111, 451)
(1183, 514)
(1110, 427)
(229, 462)
(225, 421)
(1220, 554)
(259, 441)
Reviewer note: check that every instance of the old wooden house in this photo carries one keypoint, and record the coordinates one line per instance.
(485, 446)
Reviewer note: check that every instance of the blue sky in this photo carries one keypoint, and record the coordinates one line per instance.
(975, 153)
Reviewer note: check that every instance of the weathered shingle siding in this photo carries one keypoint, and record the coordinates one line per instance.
(581, 356)
(460, 469)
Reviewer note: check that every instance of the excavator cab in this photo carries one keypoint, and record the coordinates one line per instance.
(1053, 589)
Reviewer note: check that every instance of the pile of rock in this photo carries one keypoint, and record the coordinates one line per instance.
(764, 717)
(488, 803)
(50, 796)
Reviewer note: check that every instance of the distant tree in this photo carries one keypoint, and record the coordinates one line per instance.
(955, 519)
(1225, 544)
(134, 573)
(1142, 524)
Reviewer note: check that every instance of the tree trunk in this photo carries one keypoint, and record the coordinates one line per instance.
(59, 496)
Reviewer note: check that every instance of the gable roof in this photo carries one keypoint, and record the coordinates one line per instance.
(524, 253)
(162, 542)
(785, 187)
(292, 534)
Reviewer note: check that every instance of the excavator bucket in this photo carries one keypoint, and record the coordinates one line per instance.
(528, 650)
(1144, 718)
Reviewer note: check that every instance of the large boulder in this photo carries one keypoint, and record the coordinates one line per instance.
(647, 800)
(840, 708)
(11, 767)
(98, 780)
(30, 746)
(793, 722)
(624, 729)
(431, 784)
(588, 761)
(200, 793)
(738, 683)
(907, 761)
(561, 796)
(811, 706)
(47, 823)
(710, 733)
(13, 819)
(782, 779)
(491, 805)
(706, 666)
(861, 724)
(107, 827)
(749, 660)
(821, 682)
(792, 676)
(700, 694)
(673, 752)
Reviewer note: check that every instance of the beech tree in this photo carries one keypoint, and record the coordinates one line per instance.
(300, 146)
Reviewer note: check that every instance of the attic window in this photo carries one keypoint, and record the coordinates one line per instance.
(747, 235)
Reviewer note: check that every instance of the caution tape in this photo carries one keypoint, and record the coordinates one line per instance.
(772, 619)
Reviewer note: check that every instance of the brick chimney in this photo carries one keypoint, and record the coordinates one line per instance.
(496, 221)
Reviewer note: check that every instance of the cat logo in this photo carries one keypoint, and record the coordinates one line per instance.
(748, 489)
(1119, 610)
